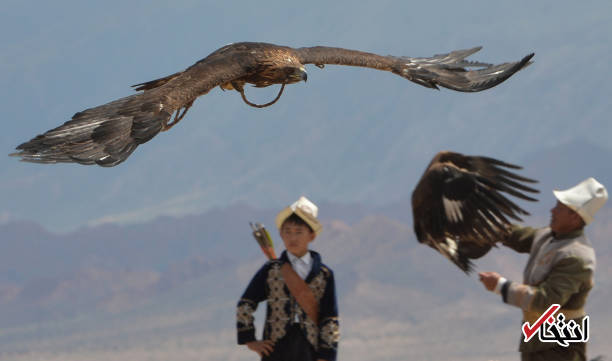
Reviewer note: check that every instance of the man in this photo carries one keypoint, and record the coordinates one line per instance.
(302, 312)
(559, 270)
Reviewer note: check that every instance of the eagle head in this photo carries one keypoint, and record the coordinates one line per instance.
(296, 74)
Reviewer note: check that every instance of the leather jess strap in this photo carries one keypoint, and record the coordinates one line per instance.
(301, 292)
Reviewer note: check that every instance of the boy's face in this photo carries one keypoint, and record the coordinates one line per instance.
(296, 238)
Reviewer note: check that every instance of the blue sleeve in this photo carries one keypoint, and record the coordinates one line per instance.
(254, 293)
(329, 327)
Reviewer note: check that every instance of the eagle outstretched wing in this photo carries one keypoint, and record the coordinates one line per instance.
(107, 134)
(459, 206)
(446, 70)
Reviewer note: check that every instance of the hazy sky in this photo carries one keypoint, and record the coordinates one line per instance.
(347, 135)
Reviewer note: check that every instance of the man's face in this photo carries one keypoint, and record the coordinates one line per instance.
(563, 219)
(296, 238)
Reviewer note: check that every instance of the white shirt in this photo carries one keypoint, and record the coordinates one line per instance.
(301, 265)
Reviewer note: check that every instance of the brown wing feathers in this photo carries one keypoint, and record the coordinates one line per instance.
(155, 83)
(462, 199)
(322, 55)
(104, 135)
(450, 70)
(107, 134)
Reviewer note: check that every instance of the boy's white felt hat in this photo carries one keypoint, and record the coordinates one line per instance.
(585, 198)
(305, 209)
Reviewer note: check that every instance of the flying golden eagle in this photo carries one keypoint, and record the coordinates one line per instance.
(458, 207)
(109, 133)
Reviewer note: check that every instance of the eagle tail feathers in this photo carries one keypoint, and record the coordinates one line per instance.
(451, 249)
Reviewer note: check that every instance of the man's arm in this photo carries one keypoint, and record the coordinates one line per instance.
(565, 279)
(520, 238)
(329, 327)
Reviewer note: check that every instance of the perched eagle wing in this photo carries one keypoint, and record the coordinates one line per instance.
(450, 70)
(440, 202)
(459, 206)
(107, 134)
(493, 178)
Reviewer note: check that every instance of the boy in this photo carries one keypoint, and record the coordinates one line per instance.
(302, 313)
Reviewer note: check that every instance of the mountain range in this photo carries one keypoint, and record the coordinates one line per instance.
(167, 289)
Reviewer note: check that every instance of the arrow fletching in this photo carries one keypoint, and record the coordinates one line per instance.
(261, 235)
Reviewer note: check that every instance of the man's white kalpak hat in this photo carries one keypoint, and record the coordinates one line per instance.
(585, 198)
(305, 209)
